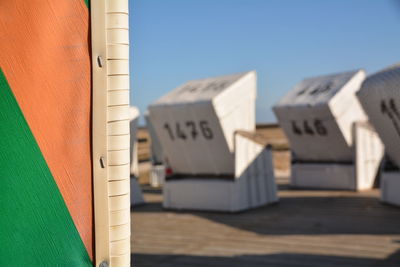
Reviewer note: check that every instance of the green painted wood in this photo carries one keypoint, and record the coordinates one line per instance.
(36, 228)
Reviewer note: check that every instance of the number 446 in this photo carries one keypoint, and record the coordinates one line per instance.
(307, 128)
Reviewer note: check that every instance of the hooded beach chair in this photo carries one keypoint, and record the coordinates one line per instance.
(333, 146)
(211, 165)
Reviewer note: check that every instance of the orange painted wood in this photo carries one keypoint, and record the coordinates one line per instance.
(45, 55)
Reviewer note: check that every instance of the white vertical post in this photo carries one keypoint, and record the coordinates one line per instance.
(110, 67)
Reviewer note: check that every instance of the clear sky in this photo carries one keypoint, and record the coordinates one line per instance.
(173, 41)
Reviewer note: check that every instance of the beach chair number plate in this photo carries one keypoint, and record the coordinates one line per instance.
(390, 109)
(316, 127)
(182, 129)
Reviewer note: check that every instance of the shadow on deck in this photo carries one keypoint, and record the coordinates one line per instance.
(307, 228)
(306, 213)
(275, 260)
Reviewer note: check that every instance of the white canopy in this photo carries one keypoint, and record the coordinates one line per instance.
(380, 98)
(195, 123)
(318, 115)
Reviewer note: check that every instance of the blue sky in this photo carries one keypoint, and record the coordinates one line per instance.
(173, 41)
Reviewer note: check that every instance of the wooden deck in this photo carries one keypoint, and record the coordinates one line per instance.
(307, 228)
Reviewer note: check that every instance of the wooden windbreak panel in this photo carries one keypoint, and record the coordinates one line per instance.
(45, 56)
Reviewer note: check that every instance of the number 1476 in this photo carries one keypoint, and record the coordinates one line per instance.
(189, 129)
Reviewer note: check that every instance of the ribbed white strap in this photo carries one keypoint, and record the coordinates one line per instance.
(110, 61)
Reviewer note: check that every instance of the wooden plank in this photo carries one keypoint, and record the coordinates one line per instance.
(308, 228)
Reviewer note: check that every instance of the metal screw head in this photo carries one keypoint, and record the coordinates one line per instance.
(100, 61)
(102, 162)
(103, 264)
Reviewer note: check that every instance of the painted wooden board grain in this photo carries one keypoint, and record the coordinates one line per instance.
(45, 55)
